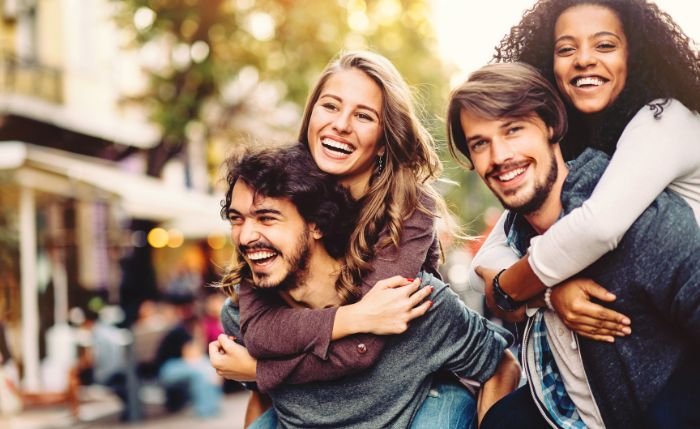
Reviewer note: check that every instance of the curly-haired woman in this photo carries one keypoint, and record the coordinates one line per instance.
(631, 81)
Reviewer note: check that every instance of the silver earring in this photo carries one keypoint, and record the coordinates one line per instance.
(380, 164)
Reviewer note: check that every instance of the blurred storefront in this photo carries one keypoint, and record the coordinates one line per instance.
(64, 229)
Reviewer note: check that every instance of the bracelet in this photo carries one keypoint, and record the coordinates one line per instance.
(548, 299)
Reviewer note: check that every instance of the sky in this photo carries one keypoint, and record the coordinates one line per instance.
(468, 30)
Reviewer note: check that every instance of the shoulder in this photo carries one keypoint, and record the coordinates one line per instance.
(665, 113)
(231, 318)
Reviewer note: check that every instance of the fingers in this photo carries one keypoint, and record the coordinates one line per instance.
(598, 291)
(214, 348)
(419, 310)
(604, 338)
(598, 327)
(592, 310)
(226, 343)
(419, 295)
(395, 281)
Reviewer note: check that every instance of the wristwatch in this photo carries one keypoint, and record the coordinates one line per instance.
(504, 301)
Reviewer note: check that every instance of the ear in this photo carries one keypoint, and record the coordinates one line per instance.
(550, 132)
(381, 151)
(316, 232)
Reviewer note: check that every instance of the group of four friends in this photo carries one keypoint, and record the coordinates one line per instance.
(586, 129)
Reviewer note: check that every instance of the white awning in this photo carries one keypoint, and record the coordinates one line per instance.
(195, 214)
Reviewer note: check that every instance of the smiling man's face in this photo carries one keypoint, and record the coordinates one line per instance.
(514, 157)
(271, 236)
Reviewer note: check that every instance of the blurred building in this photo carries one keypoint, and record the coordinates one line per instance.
(72, 183)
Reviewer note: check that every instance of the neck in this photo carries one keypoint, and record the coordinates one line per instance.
(544, 217)
(317, 289)
(358, 185)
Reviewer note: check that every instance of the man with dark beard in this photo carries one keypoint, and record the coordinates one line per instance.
(507, 121)
(290, 225)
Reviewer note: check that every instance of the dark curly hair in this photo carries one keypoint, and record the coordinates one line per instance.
(663, 63)
(290, 172)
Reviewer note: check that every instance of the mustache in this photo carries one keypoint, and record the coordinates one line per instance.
(258, 245)
(497, 169)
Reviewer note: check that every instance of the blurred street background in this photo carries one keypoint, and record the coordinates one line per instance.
(115, 116)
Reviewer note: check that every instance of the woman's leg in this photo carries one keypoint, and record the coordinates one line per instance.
(449, 405)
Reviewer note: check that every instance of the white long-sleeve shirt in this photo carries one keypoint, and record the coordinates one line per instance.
(651, 154)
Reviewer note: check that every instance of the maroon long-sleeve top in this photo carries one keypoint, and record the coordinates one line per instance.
(294, 345)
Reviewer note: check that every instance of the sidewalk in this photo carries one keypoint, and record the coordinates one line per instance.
(104, 415)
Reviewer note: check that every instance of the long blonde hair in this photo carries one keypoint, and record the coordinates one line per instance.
(411, 165)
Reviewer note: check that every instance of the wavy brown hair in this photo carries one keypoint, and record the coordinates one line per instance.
(507, 90)
(411, 162)
(663, 63)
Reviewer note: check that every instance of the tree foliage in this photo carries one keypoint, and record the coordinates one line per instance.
(241, 69)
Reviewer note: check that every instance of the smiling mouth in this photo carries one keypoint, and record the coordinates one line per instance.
(261, 257)
(335, 146)
(588, 82)
(509, 175)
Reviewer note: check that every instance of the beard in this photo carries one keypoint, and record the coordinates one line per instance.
(295, 265)
(539, 194)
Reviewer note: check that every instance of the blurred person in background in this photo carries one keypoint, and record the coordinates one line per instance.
(184, 369)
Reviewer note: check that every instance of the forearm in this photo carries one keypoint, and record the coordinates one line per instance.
(493, 253)
(503, 382)
(346, 356)
(520, 282)
(270, 329)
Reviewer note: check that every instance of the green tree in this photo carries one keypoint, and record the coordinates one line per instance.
(196, 51)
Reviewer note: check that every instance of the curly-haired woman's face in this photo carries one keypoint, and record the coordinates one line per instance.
(590, 57)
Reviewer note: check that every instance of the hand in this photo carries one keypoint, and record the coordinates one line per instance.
(389, 306)
(232, 360)
(510, 316)
(572, 301)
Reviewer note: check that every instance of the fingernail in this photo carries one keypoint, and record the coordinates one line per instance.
(626, 330)
(410, 280)
(430, 304)
(611, 339)
(626, 321)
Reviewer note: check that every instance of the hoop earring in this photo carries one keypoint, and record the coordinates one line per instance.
(380, 164)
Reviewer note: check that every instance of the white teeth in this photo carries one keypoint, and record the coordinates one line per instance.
(511, 174)
(595, 81)
(263, 254)
(338, 145)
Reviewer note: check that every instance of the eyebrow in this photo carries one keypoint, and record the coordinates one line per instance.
(262, 211)
(362, 106)
(479, 136)
(596, 35)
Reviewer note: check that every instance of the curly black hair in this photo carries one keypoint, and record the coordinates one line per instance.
(663, 63)
(290, 172)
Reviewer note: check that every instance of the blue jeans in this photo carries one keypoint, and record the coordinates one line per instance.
(448, 406)
(199, 378)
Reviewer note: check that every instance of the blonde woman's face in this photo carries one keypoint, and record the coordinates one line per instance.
(345, 128)
(590, 57)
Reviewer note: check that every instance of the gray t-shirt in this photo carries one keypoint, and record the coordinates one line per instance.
(449, 336)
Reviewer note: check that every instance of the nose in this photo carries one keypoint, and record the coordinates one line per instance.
(585, 56)
(247, 233)
(501, 151)
(342, 122)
